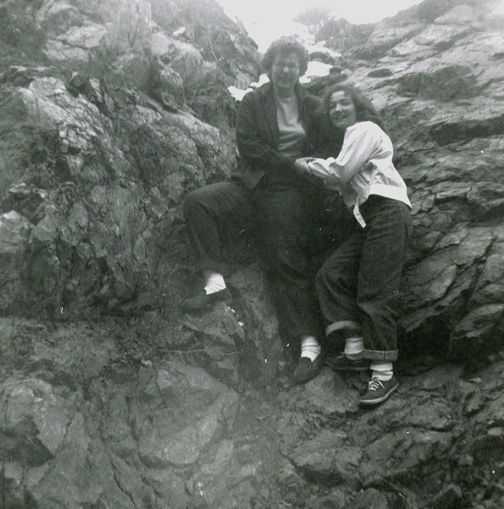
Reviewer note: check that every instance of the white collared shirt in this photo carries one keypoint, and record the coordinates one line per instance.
(363, 167)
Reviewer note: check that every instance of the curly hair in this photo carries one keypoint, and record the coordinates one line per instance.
(284, 45)
(363, 106)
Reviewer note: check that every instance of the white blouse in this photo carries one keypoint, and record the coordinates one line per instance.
(363, 167)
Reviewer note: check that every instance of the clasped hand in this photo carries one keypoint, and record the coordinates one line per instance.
(303, 170)
(301, 165)
(313, 175)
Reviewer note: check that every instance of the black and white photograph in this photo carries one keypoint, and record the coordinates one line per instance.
(251, 254)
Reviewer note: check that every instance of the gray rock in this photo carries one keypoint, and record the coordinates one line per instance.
(74, 45)
(14, 232)
(222, 338)
(335, 500)
(166, 86)
(169, 434)
(70, 355)
(224, 481)
(370, 499)
(420, 46)
(449, 498)
(328, 457)
(111, 112)
(35, 420)
(327, 394)
(262, 349)
(399, 453)
(182, 57)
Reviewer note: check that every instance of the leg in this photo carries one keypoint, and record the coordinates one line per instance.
(383, 256)
(337, 293)
(384, 252)
(334, 225)
(287, 217)
(208, 211)
(286, 220)
(337, 287)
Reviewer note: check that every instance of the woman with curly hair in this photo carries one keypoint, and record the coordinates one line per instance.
(272, 133)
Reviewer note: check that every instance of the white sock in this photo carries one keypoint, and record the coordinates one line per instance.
(310, 347)
(382, 370)
(354, 347)
(214, 281)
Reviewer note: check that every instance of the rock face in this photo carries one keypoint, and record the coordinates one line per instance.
(109, 396)
(100, 144)
(123, 444)
(436, 73)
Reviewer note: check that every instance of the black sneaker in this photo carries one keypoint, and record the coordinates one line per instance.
(343, 363)
(205, 301)
(307, 369)
(379, 390)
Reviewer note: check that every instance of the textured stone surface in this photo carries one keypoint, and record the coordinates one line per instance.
(14, 231)
(121, 444)
(100, 172)
(428, 70)
(195, 408)
(109, 396)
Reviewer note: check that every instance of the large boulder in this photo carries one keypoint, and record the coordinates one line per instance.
(423, 70)
(72, 438)
(98, 196)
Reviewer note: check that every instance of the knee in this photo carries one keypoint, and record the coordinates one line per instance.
(367, 307)
(378, 306)
(330, 277)
(321, 279)
(193, 201)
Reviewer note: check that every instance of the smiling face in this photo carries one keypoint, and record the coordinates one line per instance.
(285, 73)
(342, 110)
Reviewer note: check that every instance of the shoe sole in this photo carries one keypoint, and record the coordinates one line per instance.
(206, 307)
(339, 368)
(378, 400)
(305, 379)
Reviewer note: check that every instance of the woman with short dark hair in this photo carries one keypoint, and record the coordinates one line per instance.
(271, 134)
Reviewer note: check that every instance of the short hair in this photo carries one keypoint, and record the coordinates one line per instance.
(363, 106)
(286, 44)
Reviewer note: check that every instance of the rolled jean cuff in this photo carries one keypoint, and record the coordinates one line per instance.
(343, 324)
(380, 355)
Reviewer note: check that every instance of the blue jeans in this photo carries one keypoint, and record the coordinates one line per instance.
(295, 229)
(357, 286)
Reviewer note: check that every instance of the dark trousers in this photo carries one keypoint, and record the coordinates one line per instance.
(215, 213)
(295, 224)
(357, 286)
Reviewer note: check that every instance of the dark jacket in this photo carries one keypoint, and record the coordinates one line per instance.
(257, 134)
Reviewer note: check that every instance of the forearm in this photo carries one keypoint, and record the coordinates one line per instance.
(359, 145)
(331, 170)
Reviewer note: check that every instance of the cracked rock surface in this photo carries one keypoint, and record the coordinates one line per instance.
(110, 397)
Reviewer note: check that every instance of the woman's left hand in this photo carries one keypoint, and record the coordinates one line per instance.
(301, 165)
(304, 171)
(319, 170)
